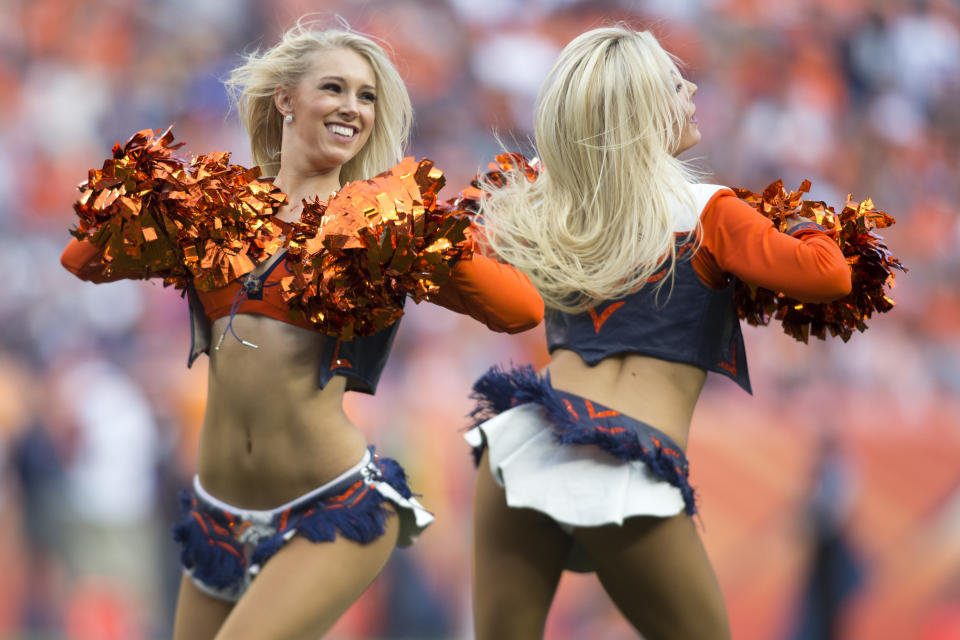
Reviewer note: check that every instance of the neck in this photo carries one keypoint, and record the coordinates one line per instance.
(302, 185)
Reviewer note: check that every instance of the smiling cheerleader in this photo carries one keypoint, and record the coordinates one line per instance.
(295, 296)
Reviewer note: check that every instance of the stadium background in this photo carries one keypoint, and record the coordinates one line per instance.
(99, 416)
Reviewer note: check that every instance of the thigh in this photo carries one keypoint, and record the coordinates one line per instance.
(518, 556)
(659, 576)
(304, 589)
(199, 615)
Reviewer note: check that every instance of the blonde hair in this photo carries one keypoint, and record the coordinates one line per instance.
(252, 85)
(596, 224)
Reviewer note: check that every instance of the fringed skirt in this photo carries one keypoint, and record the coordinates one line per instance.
(224, 547)
(579, 462)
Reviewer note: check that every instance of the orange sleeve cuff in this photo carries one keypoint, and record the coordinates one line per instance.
(494, 293)
(738, 240)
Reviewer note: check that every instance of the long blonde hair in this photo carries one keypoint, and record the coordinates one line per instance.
(252, 85)
(596, 224)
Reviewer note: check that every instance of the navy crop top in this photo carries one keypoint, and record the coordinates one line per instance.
(695, 321)
(496, 294)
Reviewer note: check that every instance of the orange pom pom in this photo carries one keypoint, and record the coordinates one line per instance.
(871, 264)
(356, 257)
(156, 215)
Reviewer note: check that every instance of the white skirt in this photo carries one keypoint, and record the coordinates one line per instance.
(576, 485)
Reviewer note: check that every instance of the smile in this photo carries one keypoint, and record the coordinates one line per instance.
(342, 130)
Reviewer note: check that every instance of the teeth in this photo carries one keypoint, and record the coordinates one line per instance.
(341, 130)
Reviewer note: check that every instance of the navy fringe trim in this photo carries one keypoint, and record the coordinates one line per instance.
(395, 476)
(208, 547)
(211, 550)
(498, 390)
(357, 514)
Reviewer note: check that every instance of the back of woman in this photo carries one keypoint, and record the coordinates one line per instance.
(635, 262)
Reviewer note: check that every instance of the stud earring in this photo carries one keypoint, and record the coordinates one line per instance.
(288, 118)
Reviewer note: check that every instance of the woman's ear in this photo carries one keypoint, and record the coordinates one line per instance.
(283, 101)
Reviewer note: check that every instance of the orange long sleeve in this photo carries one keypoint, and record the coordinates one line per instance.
(494, 293)
(806, 264)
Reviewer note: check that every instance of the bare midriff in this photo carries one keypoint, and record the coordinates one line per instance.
(270, 433)
(661, 393)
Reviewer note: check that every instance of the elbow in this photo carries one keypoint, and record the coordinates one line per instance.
(520, 327)
(835, 285)
(527, 318)
(535, 311)
(833, 275)
(845, 283)
(513, 328)
(839, 283)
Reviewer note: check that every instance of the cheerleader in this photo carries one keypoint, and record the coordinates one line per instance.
(291, 515)
(583, 465)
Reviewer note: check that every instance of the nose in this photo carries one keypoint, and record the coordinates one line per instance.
(348, 106)
(692, 88)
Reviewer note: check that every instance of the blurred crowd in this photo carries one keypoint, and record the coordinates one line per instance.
(99, 414)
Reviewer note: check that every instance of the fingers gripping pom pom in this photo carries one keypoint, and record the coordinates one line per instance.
(871, 264)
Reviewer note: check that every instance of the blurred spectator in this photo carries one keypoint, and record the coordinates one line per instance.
(834, 572)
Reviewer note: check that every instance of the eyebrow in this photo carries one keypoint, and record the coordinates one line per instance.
(344, 80)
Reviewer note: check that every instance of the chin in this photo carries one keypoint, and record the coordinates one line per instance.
(337, 158)
(691, 141)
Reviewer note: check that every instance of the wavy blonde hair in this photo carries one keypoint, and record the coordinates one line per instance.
(596, 224)
(252, 85)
